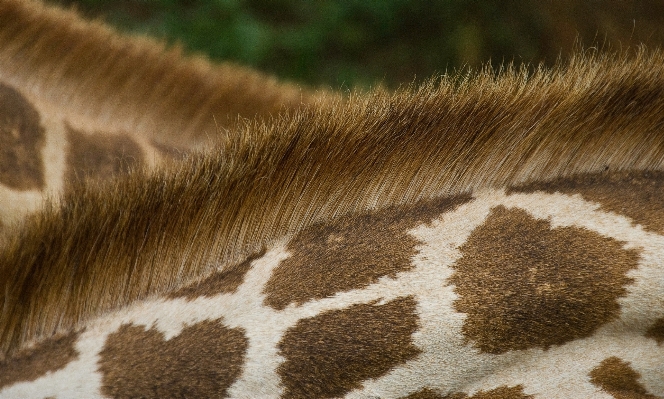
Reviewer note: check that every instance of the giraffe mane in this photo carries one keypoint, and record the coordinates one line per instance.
(109, 244)
(136, 84)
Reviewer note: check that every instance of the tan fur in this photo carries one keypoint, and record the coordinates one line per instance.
(110, 244)
(528, 294)
(107, 81)
(99, 99)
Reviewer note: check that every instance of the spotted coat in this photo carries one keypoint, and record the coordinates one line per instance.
(540, 291)
(499, 239)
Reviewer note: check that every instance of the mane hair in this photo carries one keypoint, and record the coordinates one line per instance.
(107, 245)
(133, 84)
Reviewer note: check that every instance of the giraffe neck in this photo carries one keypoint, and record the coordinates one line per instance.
(42, 154)
(112, 82)
(80, 100)
(548, 290)
(365, 153)
(276, 179)
(497, 238)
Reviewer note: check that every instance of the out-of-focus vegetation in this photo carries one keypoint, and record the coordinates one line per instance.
(362, 42)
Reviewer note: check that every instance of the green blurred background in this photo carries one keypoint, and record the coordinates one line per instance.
(354, 43)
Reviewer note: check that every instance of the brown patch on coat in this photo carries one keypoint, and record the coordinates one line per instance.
(272, 179)
(524, 285)
(136, 80)
(617, 378)
(637, 195)
(515, 392)
(350, 252)
(29, 364)
(656, 331)
(331, 354)
(203, 361)
(21, 140)
(100, 155)
(225, 281)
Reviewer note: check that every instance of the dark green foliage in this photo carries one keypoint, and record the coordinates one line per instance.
(361, 42)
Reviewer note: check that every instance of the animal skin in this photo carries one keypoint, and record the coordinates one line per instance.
(80, 100)
(484, 236)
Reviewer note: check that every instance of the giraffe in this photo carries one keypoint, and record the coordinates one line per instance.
(79, 100)
(409, 323)
(493, 236)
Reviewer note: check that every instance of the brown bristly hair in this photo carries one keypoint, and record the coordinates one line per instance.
(110, 244)
(134, 84)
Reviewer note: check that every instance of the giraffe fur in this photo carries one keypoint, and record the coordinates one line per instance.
(495, 235)
(80, 100)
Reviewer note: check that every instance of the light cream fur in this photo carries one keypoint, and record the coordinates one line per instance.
(447, 363)
(275, 178)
